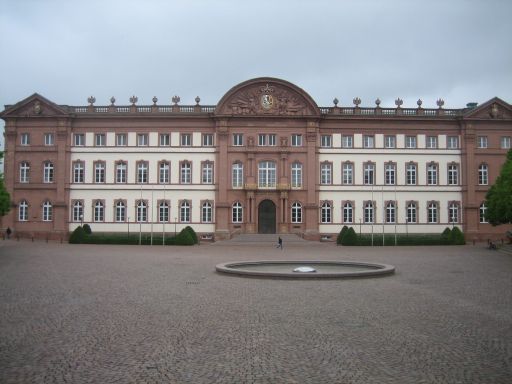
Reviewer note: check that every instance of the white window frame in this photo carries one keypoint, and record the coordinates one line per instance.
(49, 139)
(296, 140)
(164, 139)
(237, 175)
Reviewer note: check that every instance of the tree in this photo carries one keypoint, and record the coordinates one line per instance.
(5, 199)
(499, 197)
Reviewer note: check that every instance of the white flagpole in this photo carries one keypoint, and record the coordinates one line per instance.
(152, 199)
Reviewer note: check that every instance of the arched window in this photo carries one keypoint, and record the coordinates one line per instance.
(390, 212)
(24, 172)
(483, 212)
(369, 214)
(185, 212)
(237, 212)
(348, 213)
(237, 178)
(163, 212)
(99, 211)
(296, 213)
(48, 172)
(412, 212)
(267, 174)
(206, 212)
(78, 211)
(142, 211)
(23, 211)
(483, 174)
(326, 213)
(296, 175)
(47, 211)
(120, 211)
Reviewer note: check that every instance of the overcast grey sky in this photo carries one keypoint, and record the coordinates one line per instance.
(459, 50)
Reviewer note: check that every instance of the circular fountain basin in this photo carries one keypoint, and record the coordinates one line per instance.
(305, 269)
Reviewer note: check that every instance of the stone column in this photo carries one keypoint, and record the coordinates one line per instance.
(311, 205)
(222, 206)
(62, 178)
(469, 174)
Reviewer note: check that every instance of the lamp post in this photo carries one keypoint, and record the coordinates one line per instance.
(128, 222)
(175, 222)
(360, 223)
(81, 220)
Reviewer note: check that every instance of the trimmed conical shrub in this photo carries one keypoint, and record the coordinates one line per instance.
(341, 234)
(78, 235)
(457, 237)
(350, 237)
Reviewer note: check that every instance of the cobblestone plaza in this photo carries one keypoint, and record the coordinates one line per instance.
(120, 314)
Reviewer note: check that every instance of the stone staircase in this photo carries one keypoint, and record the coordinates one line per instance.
(260, 239)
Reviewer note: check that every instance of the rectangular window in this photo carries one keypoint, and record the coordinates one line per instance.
(369, 174)
(296, 140)
(410, 141)
(296, 175)
(262, 139)
(237, 175)
(99, 140)
(186, 173)
(79, 139)
(432, 142)
(505, 142)
(78, 172)
(121, 140)
(142, 172)
(326, 174)
(185, 139)
(24, 172)
(163, 173)
(390, 174)
(432, 174)
(453, 174)
(207, 173)
(99, 172)
(348, 173)
(410, 174)
(121, 173)
(207, 140)
(142, 140)
(390, 141)
(25, 139)
(165, 140)
(238, 139)
(347, 141)
(368, 141)
(326, 141)
(272, 140)
(49, 139)
(482, 141)
(453, 142)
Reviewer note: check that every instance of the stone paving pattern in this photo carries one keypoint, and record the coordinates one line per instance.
(119, 314)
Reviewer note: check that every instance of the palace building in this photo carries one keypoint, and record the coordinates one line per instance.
(265, 159)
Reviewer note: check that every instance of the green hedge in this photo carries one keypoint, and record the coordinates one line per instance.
(183, 238)
(341, 234)
(403, 239)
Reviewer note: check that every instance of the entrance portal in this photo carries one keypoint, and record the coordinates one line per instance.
(267, 217)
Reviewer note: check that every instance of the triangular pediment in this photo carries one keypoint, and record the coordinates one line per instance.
(267, 96)
(492, 109)
(34, 106)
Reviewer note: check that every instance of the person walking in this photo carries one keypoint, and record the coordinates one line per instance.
(280, 243)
